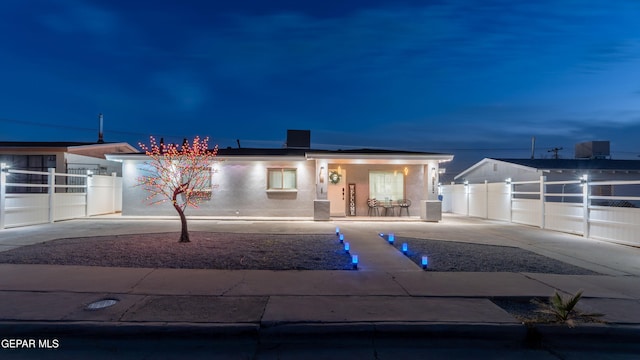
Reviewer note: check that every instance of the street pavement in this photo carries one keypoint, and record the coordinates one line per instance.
(388, 296)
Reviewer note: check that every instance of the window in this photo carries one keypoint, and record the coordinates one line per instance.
(281, 179)
(386, 185)
(204, 185)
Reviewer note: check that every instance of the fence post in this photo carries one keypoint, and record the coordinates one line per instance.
(87, 189)
(3, 193)
(113, 191)
(585, 205)
(51, 181)
(486, 199)
(543, 188)
(511, 186)
(467, 194)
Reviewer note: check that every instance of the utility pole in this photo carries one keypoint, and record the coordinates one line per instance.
(555, 152)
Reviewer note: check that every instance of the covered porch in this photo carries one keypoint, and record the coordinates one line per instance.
(377, 185)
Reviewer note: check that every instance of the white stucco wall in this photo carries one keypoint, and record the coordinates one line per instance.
(240, 189)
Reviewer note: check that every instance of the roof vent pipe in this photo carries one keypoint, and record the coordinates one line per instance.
(533, 147)
(100, 131)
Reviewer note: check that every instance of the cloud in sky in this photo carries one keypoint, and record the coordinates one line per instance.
(79, 17)
(421, 74)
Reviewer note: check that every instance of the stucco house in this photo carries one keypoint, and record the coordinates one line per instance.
(299, 182)
(64, 157)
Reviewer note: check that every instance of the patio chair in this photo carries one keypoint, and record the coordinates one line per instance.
(373, 207)
(404, 204)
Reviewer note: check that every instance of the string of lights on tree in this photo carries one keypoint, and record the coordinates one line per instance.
(179, 174)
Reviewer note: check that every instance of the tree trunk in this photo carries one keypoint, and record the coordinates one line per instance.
(184, 233)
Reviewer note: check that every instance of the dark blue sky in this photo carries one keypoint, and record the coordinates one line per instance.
(472, 78)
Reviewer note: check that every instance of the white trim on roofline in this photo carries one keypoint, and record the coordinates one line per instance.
(336, 158)
(107, 145)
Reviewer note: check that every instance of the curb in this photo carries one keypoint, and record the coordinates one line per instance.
(125, 329)
(585, 336)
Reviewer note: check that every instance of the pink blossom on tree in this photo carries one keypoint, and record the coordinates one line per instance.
(180, 175)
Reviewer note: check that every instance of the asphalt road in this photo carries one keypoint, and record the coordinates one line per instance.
(341, 347)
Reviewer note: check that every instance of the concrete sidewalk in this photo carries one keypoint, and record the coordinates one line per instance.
(388, 294)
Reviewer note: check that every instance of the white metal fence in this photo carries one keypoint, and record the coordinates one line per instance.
(55, 200)
(566, 206)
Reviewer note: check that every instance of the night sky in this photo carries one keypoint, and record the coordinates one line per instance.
(472, 78)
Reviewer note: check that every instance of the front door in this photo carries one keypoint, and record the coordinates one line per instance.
(337, 192)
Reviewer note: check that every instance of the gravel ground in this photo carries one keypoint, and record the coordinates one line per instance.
(460, 256)
(206, 250)
(238, 251)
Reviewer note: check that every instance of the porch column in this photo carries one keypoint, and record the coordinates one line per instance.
(321, 205)
(430, 206)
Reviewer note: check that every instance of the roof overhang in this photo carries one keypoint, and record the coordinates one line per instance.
(124, 145)
(143, 157)
(391, 158)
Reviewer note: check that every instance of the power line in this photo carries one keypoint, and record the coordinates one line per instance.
(80, 128)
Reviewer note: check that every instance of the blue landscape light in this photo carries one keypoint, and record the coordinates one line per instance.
(392, 238)
(354, 261)
(337, 231)
(405, 248)
(347, 247)
(381, 234)
(341, 238)
(425, 262)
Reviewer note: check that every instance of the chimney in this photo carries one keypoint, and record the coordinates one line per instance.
(300, 139)
(100, 131)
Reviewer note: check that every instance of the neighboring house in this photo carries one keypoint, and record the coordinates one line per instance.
(64, 157)
(297, 181)
(498, 170)
(591, 195)
(559, 170)
(592, 159)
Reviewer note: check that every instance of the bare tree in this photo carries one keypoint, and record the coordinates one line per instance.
(181, 175)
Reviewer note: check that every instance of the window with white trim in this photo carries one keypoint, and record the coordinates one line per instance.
(281, 179)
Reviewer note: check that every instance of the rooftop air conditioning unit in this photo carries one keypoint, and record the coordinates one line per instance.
(593, 150)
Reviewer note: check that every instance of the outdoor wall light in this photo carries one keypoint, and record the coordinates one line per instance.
(466, 183)
(424, 262)
(341, 236)
(354, 261)
(321, 175)
(347, 247)
(405, 248)
(508, 181)
(406, 171)
(392, 238)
